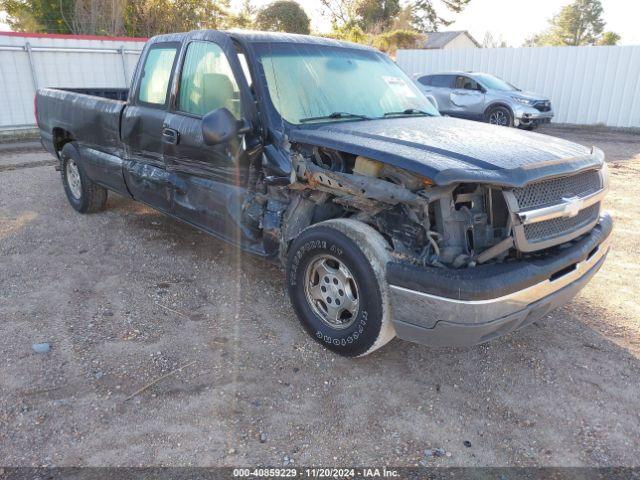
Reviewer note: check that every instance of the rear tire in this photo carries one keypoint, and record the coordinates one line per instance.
(84, 195)
(336, 281)
(500, 116)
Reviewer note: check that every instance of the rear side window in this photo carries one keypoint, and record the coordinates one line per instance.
(442, 81)
(156, 75)
(207, 81)
(426, 80)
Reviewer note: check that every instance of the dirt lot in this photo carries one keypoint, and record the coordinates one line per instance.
(127, 295)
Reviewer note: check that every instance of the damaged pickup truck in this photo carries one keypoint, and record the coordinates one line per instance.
(322, 155)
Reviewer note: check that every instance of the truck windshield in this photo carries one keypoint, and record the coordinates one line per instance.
(313, 83)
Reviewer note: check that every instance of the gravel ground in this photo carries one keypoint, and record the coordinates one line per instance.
(126, 296)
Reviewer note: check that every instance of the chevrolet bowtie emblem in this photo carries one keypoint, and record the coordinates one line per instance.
(572, 206)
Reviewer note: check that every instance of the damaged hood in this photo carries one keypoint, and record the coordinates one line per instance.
(449, 150)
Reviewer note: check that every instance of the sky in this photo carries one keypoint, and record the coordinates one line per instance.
(510, 20)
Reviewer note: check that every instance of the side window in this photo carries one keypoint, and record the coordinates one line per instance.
(426, 80)
(466, 83)
(441, 81)
(207, 82)
(156, 75)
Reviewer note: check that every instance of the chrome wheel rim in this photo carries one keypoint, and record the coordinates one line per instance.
(73, 179)
(499, 118)
(332, 291)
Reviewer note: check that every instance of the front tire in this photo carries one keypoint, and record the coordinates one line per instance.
(500, 116)
(337, 285)
(84, 195)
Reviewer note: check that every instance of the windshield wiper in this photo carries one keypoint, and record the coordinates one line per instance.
(409, 111)
(336, 115)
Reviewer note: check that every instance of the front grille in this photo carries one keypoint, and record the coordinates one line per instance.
(551, 192)
(542, 106)
(558, 227)
(546, 193)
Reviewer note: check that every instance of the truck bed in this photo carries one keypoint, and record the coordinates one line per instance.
(90, 116)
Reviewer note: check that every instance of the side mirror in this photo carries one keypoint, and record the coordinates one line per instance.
(219, 126)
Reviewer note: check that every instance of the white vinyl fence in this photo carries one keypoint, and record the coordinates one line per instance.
(29, 61)
(587, 85)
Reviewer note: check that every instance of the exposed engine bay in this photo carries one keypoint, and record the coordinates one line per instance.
(444, 226)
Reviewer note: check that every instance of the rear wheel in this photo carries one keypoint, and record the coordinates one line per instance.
(501, 116)
(336, 282)
(84, 195)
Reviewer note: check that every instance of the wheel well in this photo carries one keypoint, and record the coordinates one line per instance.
(494, 105)
(61, 137)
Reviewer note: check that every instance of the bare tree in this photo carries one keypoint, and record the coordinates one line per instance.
(492, 42)
(341, 12)
(98, 17)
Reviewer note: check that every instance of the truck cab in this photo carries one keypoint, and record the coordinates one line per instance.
(389, 219)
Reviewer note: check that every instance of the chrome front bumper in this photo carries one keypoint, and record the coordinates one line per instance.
(440, 321)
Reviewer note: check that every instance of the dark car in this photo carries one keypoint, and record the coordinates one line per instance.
(323, 156)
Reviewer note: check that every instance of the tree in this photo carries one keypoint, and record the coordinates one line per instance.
(579, 23)
(349, 33)
(116, 17)
(375, 16)
(97, 17)
(283, 16)
(145, 18)
(404, 19)
(341, 12)
(491, 42)
(245, 18)
(42, 16)
(608, 38)
(390, 42)
(425, 16)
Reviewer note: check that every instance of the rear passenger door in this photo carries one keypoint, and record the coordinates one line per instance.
(441, 87)
(145, 171)
(467, 97)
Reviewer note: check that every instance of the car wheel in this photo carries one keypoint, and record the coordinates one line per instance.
(337, 285)
(84, 195)
(501, 116)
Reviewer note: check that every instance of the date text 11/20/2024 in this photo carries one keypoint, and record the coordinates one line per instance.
(315, 472)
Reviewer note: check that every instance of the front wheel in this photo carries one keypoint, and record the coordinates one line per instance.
(500, 116)
(336, 282)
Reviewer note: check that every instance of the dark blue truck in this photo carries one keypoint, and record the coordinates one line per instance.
(322, 155)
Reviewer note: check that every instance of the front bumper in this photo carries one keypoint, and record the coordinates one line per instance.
(472, 306)
(525, 115)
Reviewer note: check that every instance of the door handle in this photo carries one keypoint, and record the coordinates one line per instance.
(170, 136)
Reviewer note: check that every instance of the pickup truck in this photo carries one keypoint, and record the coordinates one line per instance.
(389, 219)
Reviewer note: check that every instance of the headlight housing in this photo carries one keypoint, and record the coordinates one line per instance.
(523, 101)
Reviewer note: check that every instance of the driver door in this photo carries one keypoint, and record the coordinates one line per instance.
(467, 97)
(209, 182)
